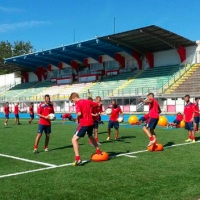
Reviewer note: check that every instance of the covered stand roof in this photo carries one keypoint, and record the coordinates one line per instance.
(150, 38)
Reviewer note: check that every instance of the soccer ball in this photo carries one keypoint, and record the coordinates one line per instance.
(52, 116)
(120, 119)
(108, 111)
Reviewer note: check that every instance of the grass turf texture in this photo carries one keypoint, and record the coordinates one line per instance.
(171, 174)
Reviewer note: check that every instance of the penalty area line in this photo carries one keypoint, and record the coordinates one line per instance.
(27, 160)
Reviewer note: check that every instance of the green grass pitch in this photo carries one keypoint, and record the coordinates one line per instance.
(171, 175)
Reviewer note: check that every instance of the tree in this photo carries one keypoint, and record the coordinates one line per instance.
(21, 47)
(9, 50)
(5, 50)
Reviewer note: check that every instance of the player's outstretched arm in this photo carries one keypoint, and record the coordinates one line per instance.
(45, 117)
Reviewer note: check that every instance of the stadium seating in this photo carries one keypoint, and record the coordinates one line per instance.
(109, 84)
(17, 91)
(77, 87)
(124, 84)
(150, 80)
(187, 83)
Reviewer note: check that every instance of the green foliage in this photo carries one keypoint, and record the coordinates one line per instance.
(168, 175)
(5, 50)
(9, 50)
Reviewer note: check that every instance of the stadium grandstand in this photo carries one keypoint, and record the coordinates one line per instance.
(121, 66)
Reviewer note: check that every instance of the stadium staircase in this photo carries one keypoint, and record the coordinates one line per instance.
(116, 91)
(174, 79)
(187, 82)
(149, 81)
(109, 84)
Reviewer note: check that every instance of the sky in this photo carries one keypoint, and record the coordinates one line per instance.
(51, 23)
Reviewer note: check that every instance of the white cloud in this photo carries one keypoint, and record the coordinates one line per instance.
(20, 25)
(6, 9)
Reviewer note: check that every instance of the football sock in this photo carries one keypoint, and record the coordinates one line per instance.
(98, 151)
(78, 158)
(35, 146)
(97, 140)
(151, 138)
(46, 147)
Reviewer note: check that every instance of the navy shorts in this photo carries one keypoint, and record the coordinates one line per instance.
(45, 128)
(96, 124)
(17, 116)
(7, 116)
(82, 130)
(142, 119)
(152, 123)
(177, 122)
(113, 124)
(32, 116)
(70, 118)
(196, 120)
(189, 126)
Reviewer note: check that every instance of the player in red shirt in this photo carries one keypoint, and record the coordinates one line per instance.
(196, 115)
(177, 121)
(96, 113)
(189, 112)
(154, 111)
(44, 110)
(113, 123)
(16, 112)
(67, 116)
(86, 123)
(31, 111)
(142, 120)
(6, 111)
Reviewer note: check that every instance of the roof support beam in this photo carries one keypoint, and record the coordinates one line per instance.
(60, 58)
(158, 37)
(83, 52)
(102, 51)
(35, 62)
(70, 56)
(45, 61)
(125, 46)
(17, 65)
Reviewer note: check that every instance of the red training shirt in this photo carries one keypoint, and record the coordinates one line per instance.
(31, 111)
(154, 109)
(97, 110)
(188, 111)
(197, 110)
(179, 117)
(146, 116)
(45, 109)
(16, 109)
(115, 113)
(66, 115)
(6, 110)
(85, 108)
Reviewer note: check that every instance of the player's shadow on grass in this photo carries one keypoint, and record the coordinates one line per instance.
(64, 147)
(127, 137)
(114, 154)
(102, 132)
(197, 138)
(169, 144)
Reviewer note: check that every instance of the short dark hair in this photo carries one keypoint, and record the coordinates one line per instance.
(90, 98)
(196, 98)
(151, 94)
(46, 95)
(187, 95)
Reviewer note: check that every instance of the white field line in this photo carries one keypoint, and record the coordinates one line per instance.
(70, 164)
(130, 156)
(27, 160)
